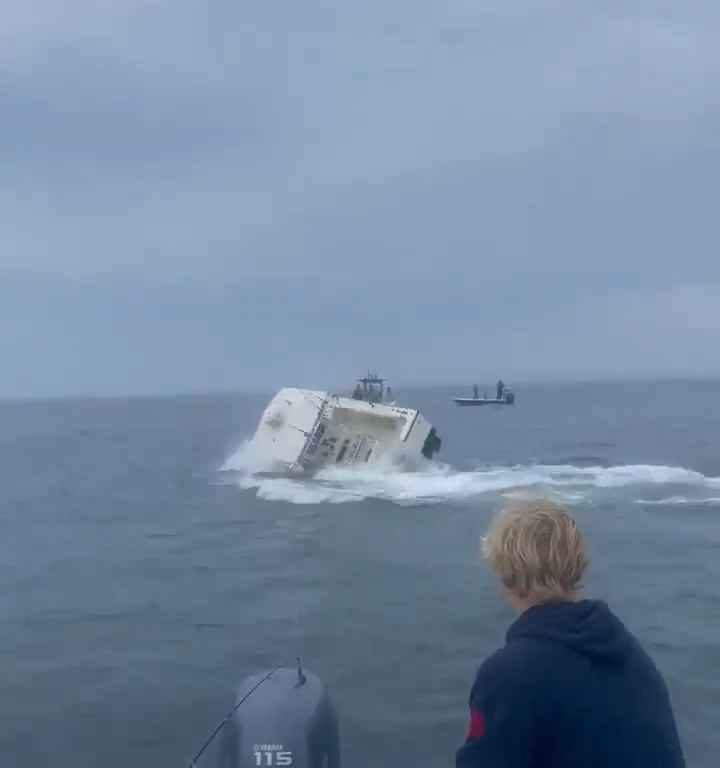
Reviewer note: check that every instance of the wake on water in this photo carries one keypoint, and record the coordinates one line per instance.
(438, 483)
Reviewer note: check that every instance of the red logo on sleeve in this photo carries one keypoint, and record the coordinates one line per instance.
(476, 729)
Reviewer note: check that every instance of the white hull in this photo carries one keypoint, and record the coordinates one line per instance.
(303, 430)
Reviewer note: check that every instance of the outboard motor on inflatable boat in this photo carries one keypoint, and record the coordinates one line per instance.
(287, 720)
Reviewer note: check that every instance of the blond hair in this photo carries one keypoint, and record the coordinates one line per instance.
(536, 550)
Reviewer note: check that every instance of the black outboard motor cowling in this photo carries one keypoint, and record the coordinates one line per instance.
(288, 721)
(432, 444)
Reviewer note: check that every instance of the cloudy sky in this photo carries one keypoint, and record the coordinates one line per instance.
(238, 194)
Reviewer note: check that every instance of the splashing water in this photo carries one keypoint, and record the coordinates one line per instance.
(675, 501)
(437, 483)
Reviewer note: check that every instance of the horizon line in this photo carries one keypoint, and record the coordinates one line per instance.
(264, 391)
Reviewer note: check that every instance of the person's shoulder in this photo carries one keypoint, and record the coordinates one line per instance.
(514, 665)
(511, 674)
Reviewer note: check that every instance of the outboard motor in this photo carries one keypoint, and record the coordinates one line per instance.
(432, 444)
(286, 720)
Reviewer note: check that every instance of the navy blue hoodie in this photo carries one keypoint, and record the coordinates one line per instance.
(572, 688)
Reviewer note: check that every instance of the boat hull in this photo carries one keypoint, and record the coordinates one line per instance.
(473, 401)
(303, 431)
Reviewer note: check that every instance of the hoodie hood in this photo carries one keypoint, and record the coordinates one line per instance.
(587, 627)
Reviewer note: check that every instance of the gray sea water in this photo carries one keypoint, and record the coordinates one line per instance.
(143, 574)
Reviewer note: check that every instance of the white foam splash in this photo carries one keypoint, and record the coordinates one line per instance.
(438, 483)
(247, 460)
(296, 491)
(679, 501)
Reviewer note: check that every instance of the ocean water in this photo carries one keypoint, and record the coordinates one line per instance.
(143, 573)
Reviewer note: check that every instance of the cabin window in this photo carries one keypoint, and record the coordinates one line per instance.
(343, 451)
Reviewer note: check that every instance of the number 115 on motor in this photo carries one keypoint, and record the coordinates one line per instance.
(273, 758)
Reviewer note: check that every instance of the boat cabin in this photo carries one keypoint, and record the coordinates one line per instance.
(372, 389)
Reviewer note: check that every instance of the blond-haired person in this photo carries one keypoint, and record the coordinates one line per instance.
(571, 688)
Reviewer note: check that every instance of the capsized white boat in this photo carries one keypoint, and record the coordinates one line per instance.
(304, 430)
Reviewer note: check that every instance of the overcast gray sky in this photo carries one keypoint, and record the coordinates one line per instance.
(240, 194)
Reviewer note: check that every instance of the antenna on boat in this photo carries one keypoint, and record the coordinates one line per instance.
(229, 715)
